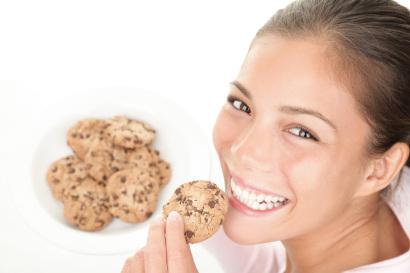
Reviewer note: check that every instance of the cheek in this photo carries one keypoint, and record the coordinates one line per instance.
(322, 197)
(226, 130)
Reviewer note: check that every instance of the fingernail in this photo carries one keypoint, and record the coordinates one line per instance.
(174, 216)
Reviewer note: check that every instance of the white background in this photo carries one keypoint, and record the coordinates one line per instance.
(187, 50)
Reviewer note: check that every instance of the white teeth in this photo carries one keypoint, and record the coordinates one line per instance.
(255, 205)
(254, 200)
(260, 197)
(262, 206)
(239, 190)
(268, 199)
(245, 194)
(252, 196)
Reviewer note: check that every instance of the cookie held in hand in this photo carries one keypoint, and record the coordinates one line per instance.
(202, 206)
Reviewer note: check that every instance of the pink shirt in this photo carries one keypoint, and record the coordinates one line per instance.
(271, 257)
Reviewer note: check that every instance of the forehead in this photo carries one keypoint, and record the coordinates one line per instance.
(288, 64)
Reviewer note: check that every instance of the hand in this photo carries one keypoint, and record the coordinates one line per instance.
(166, 250)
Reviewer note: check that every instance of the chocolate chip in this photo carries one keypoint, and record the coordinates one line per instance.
(123, 179)
(148, 214)
(178, 191)
(54, 169)
(211, 204)
(189, 234)
(83, 220)
(71, 170)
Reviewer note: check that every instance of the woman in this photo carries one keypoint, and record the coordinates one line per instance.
(313, 143)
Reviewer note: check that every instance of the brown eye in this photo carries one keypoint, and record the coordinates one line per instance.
(303, 133)
(238, 104)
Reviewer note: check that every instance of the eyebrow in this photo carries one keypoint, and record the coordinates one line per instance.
(285, 108)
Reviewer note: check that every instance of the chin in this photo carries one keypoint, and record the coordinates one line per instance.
(236, 236)
(239, 233)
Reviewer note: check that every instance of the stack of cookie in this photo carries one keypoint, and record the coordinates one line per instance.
(114, 172)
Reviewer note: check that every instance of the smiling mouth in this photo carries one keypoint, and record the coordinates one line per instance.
(250, 199)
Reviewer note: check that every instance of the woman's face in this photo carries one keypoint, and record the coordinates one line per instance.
(291, 141)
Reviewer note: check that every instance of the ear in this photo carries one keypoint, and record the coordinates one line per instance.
(381, 171)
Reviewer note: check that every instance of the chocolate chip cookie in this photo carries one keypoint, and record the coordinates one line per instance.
(133, 194)
(130, 158)
(99, 160)
(163, 171)
(129, 133)
(86, 205)
(144, 157)
(202, 206)
(83, 133)
(61, 172)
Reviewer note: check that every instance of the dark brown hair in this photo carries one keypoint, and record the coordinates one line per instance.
(369, 42)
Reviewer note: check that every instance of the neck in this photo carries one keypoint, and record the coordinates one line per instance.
(355, 238)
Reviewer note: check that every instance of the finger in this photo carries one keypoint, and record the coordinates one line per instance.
(179, 257)
(137, 263)
(155, 250)
(127, 266)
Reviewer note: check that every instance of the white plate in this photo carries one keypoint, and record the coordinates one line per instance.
(179, 140)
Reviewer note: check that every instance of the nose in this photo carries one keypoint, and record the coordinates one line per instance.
(253, 149)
